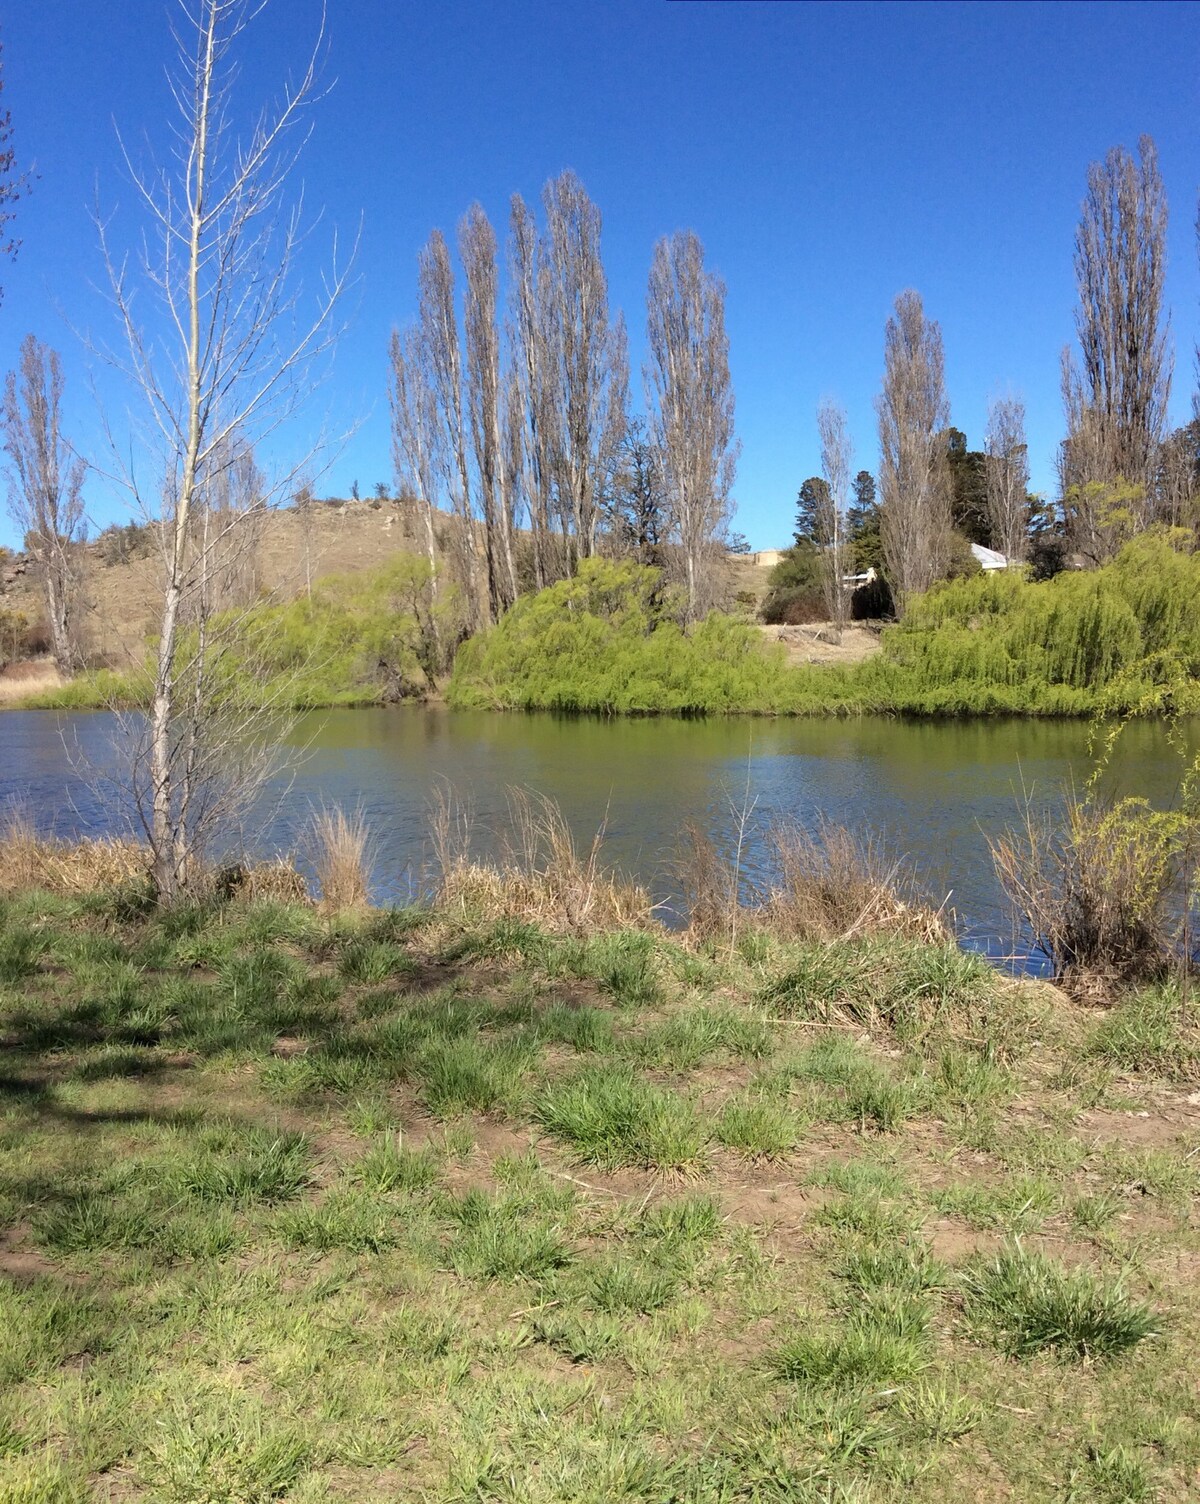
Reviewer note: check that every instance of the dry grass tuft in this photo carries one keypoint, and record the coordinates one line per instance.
(540, 878)
(340, 846)
(29, 860)
(835, 885)
(832, 885)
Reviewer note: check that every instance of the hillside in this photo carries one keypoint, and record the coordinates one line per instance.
(296, 550)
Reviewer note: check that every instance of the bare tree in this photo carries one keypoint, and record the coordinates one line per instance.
(531, 362)
(227, 361)
(1177, 483)
(1007, 471)
(688, 376)
(45, 484)
(836, 456)
(415, 439)
(439, 334)
(477, 249)
(1117, 403)
(913, 412)
(583, 407)
(638, 515)
(231, 514)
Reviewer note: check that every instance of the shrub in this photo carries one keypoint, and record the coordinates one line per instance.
(1102, 889)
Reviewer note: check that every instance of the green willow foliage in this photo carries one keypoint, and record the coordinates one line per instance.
(608, 641)
(1124, 639)
(356, 640)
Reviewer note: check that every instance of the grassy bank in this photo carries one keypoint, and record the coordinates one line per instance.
(448, 1205)
(1123, 639)
(1111, 639)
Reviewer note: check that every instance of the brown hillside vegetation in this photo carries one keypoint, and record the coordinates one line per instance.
(297, 548)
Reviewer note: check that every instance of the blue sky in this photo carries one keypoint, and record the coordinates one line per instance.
(827, 155)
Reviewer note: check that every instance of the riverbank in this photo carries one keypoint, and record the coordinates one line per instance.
(431, 1204)
(1122, 640)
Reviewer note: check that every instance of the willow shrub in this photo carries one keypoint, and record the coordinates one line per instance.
(1080, 642)
(607, 640)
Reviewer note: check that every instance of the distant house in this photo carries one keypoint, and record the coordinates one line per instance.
(765, 558)
(989, 558)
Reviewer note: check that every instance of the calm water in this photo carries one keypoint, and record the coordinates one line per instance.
(931, 791)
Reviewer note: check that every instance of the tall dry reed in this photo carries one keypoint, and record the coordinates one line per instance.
(340, 850)
(830, 884)
(540, 874)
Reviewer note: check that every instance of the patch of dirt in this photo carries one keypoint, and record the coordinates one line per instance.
(1159, 1126)
(820, 642)
(953, 1242)
(23, 1264)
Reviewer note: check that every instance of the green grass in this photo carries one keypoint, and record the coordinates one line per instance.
(758, 1127)
(885, 1341)
(1145, 1031)
(612, 1118)
(297, 1209)
(1031, 1303)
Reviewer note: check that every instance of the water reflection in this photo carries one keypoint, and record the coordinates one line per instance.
(930, 790)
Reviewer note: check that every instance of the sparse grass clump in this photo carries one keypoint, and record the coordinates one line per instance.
(505, 1238)
(246, 1165)
(1145, 1031)
(758, 1127)
(884, 1341)
(1030, 1303)
(612, 1118)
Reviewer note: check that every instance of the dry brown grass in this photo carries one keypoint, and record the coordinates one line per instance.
(541, 877)
(340, 846)
(708, 885)
(34, 677)
(833, 885)
(29, 860)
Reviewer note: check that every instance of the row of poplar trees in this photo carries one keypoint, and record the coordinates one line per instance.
(1120, 468)
(513, 440)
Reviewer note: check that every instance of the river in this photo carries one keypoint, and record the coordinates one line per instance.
(932, 792)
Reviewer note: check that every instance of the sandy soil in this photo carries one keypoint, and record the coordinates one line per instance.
(820, 642)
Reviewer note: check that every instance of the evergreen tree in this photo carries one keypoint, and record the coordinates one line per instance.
(968, 489)
(864, 508)
(862, 524)
(811, 501)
